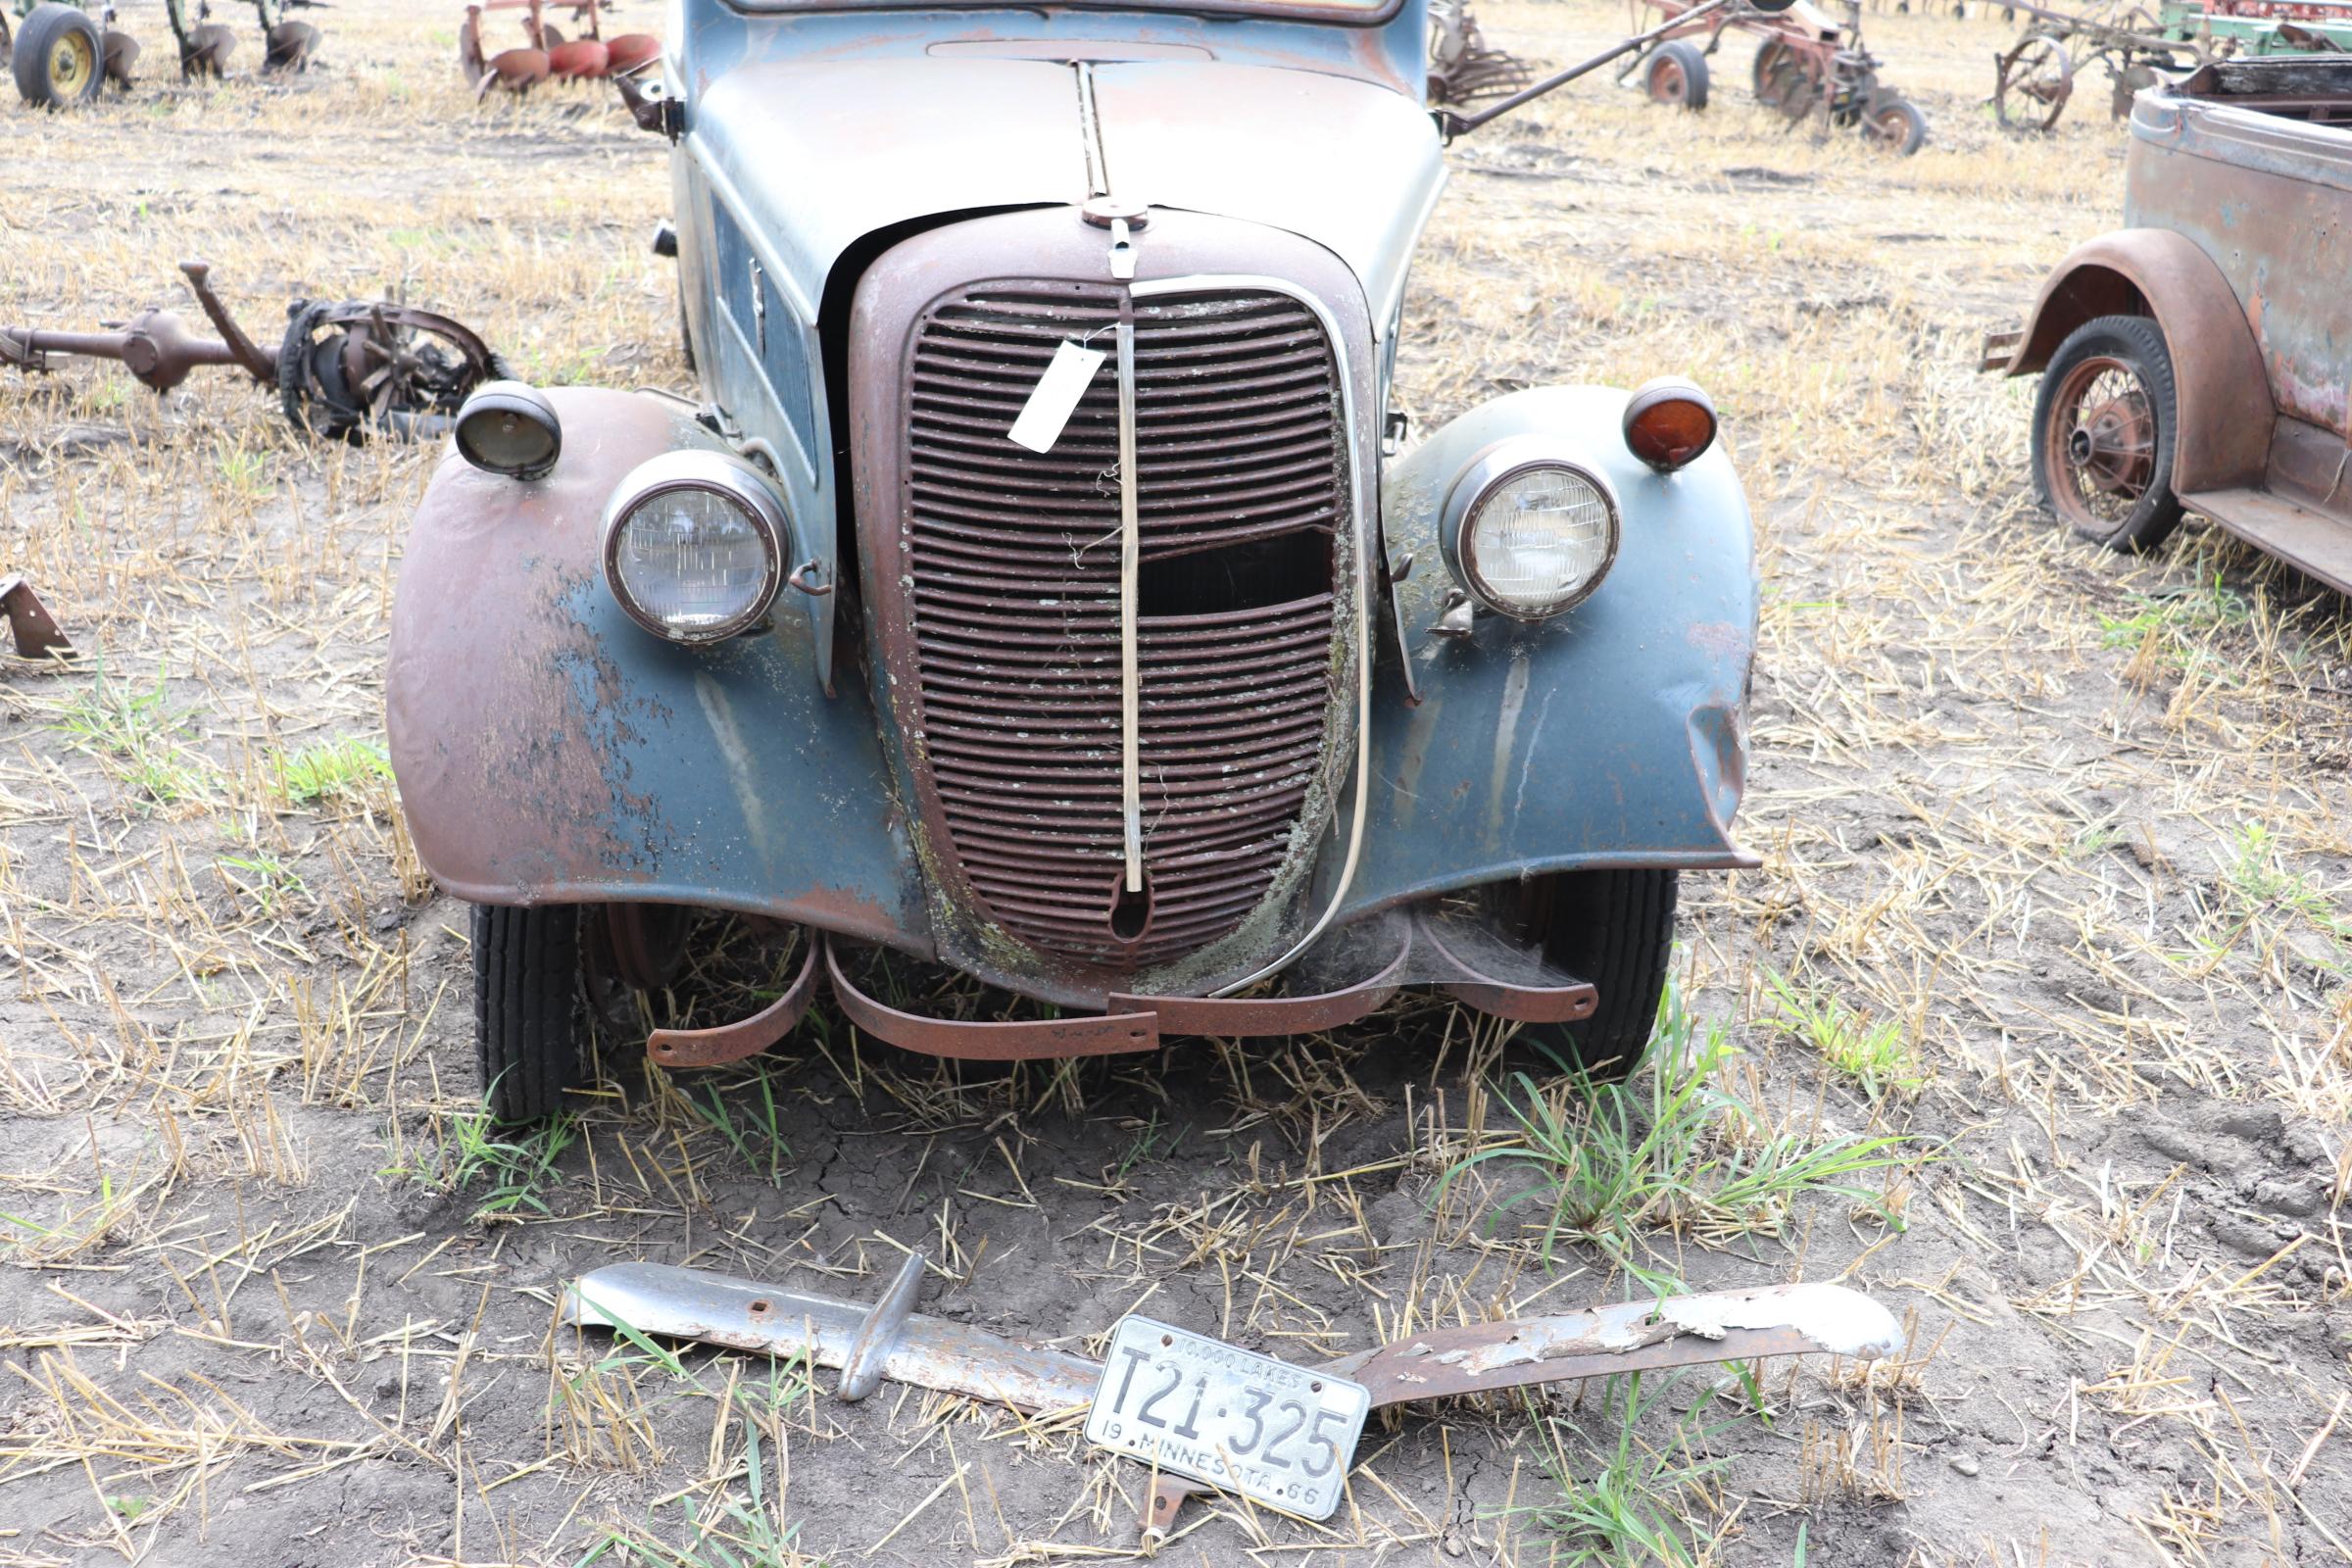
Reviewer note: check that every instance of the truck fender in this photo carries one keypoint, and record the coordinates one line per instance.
(548, 749)
(2223, 406)
(1613, 735)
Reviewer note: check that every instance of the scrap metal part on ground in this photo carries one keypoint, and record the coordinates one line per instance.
(342, 370)
(890, 1340)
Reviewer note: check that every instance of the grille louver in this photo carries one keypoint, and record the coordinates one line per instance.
(1012, 563)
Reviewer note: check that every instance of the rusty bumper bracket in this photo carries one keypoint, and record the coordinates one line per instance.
(893, 1341)
(29, 621)
(1999, 348)
(1136, 1023)
(715, 1048)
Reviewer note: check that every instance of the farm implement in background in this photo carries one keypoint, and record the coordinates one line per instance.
(1463, 67)
(549, 55)
(341, 370)
(1807, 66)
(62, 52)
(2034, 80)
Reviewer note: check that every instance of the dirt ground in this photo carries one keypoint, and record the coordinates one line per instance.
(2050, 940)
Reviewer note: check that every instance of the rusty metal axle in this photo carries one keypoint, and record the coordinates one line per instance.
(340, 368)
(892, 1341)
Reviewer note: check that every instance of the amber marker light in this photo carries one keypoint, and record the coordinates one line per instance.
(1669, 422)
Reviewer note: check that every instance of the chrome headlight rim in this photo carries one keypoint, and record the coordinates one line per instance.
(732, 481)
(1488, 471)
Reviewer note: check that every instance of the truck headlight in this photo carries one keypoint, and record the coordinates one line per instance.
(693, 546)
(1527, 532)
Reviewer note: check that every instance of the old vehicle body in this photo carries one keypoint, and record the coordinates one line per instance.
(1193, 721)
(2200, 357)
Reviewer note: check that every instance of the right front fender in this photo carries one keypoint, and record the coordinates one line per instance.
(1613, 735)
(548, 749)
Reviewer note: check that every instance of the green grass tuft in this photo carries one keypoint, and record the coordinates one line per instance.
(1670, 1149)
(340, 768)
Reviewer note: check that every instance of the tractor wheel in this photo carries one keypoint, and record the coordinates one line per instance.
(1677, 74)
(1615, 929)
(530, 1008)
(2104, 430)
(1897, 126)
(59, 56)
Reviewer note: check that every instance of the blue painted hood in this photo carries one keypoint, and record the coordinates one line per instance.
(821, 153)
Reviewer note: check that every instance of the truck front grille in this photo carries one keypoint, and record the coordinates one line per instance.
(1012, 562)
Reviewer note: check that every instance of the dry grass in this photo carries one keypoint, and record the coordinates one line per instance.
(2070, 830)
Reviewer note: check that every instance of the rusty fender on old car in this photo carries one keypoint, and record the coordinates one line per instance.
(2200, 358)
(1023, 593)
(890, 1340)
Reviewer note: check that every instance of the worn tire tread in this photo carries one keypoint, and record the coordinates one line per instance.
(530, 1023)
(31, 54)
(2158, 512)
(1616, 929)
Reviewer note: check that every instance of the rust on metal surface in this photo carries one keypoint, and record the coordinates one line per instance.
(1137, 1022)
(892, 1341)
(1602, 1341)
(716, 1047)
(1015, 565)
(995, 590)
(1502, 999)
(1019, 1039)
(340, 370)
(2222, 394)
(29, 623)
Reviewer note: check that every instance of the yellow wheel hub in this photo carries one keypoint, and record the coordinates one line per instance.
(71, 64)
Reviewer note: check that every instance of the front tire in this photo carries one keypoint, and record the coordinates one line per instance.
(1615, 929)
(2105, 424)
(530, 1015)
(59, 58)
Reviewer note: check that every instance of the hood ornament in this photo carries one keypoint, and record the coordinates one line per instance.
(1124, 219)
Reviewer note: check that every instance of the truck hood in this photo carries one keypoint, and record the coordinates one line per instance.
(818, 154)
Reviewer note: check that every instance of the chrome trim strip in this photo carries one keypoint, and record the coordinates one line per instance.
(1131, 684)
(1365, 547)
(1090, 132)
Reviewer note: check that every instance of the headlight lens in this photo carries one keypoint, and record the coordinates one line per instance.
(508, 428)
(693, 546)
(1535, 536)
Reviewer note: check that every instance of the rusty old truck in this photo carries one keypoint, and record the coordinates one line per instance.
(1023, 596)
(2199, 359)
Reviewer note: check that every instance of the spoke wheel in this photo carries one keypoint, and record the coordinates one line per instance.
(2032, 84)
(2104, 432)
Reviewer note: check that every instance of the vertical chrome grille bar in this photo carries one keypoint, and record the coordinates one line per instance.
(1131, 689)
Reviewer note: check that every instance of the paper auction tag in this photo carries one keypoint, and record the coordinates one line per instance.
(1055, 396)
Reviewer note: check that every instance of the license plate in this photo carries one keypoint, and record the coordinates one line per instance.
(1277, 1433)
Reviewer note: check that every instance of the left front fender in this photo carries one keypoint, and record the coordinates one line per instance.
(1613, 735)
